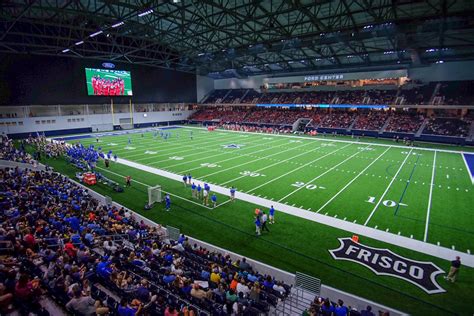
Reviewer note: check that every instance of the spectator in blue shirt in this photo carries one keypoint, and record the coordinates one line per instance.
(125, 310)
(193, 190)
(258, 224)
(214, 200)
(232, 194)
(169, 278)
(367, 311)
(341, 310)
(199, 191)
(327, 309)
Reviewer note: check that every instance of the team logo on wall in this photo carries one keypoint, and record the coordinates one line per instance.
(385, 262)
(108, 65)
(232, 146)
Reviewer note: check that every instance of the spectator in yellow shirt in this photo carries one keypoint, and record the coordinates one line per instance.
(215, 277)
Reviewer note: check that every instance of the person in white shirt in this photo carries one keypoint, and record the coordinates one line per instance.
(264, 222)
(205, 197)
(242, 287)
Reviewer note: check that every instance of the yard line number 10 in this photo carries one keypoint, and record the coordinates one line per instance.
(387, 203)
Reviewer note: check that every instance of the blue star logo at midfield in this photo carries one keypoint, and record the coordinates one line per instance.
(232, 146)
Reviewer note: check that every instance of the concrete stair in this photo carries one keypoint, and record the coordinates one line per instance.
(422, 127)
(228, 92)
(295, 304)
(385, 125)
(352, 124)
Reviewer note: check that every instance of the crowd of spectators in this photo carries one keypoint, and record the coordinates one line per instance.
(448, 127)
(405, 122)
(450, 93)
(216, 96)
(233, 114)
(325, 307)
(456, 92)
(370, 121)
(44, 147)
(256, 129)
(9, 152)
(234, 96)
(274, 116)
(373, 120)
(337, 119)
(57, 240)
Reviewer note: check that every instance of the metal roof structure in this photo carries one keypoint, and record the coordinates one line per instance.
(233, 38)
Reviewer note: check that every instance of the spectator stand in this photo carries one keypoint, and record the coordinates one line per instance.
(305, 289)
(288, 278)
(149, 274)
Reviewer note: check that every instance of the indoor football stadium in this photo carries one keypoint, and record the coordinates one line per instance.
(244, 158)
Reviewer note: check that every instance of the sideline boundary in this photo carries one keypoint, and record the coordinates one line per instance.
(342, 141)
(427, 221)
(351, 228)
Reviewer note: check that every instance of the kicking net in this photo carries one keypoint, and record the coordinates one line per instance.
(154, 195)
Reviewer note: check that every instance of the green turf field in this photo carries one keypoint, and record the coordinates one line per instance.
(387, 188)
(358, 182)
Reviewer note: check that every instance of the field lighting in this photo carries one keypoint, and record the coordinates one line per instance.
(118, 24)
(79, 43)
(66, 50)
(145, 13)
(96, 33)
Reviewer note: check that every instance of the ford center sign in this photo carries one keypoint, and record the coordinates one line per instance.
(385, 262)
(108, 65)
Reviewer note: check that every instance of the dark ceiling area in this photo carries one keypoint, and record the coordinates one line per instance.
(240, 38)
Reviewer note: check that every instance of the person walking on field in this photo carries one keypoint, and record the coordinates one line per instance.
(264, 222)
(272, 215)
(454, 270)
(257, 225)
(128, 181)
(167, 202)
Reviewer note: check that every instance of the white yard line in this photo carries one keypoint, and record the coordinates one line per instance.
(165, 146)
(347, 141)
(322, 174)
(429, 199)
(274, 164)
(252, 161)
(220, 161)
(388, 187)
(348, 184)
(296, 169)
(349, 227)
(173, 146)
(199, 152)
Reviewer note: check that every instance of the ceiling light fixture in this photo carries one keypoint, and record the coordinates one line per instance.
(96, 33)
(145, 13)
(118, 24)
